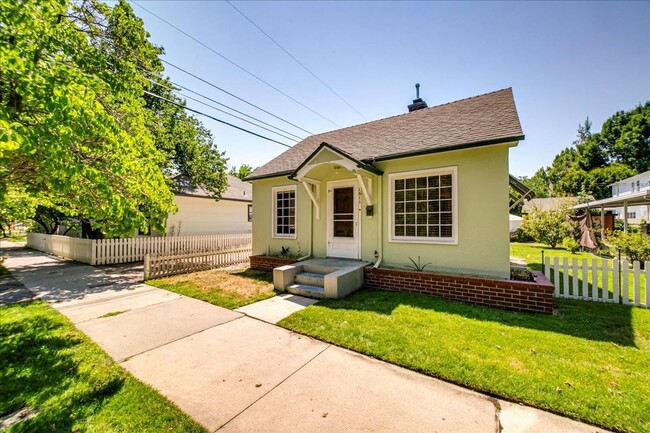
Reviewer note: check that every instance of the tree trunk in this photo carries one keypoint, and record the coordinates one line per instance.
(87, 231)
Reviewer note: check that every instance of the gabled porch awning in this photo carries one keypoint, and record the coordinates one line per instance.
(326, 154)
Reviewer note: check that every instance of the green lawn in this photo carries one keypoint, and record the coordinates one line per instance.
(53, 370)
(16, 237)
(590, 362)
(228, 289)
(3, 271)
(533, 255)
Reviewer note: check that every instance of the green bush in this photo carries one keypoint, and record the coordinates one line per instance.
(570, 244)
(520, 235)
(549, 227)
(635, 246)
(619, 226)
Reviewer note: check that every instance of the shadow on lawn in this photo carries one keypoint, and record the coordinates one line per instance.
(39, 371)
(583, 319)
(255, 275)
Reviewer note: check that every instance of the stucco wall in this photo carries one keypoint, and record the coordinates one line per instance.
(483, 240)
(197, 215)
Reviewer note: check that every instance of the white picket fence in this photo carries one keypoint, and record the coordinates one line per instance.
(108, 251)
(111, 251)
(607, 281)
(158, 266)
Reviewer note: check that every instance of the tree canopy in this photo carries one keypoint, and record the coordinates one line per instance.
(595, 160)
(76, 130)
(241, 172)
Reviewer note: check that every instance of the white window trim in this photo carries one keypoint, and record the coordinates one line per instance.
(453, 240)
(274, 227)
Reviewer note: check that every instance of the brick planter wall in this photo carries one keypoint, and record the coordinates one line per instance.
(267, 263)
(535, 297)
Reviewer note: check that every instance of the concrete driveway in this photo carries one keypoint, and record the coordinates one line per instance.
(233, 373)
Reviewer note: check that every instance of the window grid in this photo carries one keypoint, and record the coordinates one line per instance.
(285, 213)
(423, 206)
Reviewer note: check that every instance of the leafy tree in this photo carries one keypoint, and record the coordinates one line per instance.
(549, 227)
(242, 172)
(635, 246)
(597, 180)
(187, 145)
(626, 138)
(17, 207)
(538, 183)
(596, 160)
(75, 127)
(71, 113)
(49, 217)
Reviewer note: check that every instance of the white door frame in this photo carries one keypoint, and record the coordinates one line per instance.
(346, 183)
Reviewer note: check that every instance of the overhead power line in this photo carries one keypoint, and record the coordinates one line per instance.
(236, 64)
(233, 95)
(214, 118)
(296, 60)
(297, 138)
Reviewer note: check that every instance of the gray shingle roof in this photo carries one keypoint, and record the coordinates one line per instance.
(237, 189)
(483, 119)
(550, 203)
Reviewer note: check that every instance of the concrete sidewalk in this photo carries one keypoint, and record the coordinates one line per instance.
(234, 373)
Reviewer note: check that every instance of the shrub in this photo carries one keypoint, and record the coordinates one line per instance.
(570, 244)
(619, 226)
(520, 235)
(549, 227)
(635, 246)
(287, 253)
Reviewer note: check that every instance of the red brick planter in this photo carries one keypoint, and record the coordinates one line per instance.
(534, 297)
(267, 263)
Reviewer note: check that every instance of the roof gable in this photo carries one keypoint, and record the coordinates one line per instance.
(481, 120)
(326, 153)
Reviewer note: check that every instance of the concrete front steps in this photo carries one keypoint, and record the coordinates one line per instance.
(320, 278)
(310, 284)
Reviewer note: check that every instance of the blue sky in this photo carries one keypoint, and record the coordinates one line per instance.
(564, 61)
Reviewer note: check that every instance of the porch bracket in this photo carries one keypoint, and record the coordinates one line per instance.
(314, 201)
(364, 190)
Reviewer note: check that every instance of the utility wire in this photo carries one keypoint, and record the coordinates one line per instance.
(214, 118)
(297, 138)
(233, 95)
(295, 59)
(235, 64)
(237, 117)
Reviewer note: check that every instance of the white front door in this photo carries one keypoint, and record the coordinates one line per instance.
(343, 219)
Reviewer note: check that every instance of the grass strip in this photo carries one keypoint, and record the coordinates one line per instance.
(229, 289)
(589, 361)
(53, 370)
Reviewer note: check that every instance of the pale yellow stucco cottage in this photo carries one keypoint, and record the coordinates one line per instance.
(431, 183)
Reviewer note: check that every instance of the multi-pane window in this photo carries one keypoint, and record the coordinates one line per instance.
(250, 213)
(423, 205)
(284, 212)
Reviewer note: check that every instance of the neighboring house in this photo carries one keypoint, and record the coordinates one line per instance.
(199, 213)
(550, 203)
(430, 184)
(628, 187)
